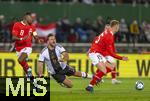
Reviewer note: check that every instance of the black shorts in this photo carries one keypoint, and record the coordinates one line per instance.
(61, 75)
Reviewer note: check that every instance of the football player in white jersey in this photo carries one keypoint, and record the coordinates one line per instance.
(55, 57)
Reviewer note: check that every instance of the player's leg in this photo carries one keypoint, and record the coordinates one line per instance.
(98, 76)
(114, 77)
(70, 71)
(80, 74)
(68, 83)
(99, 73)
(22, 61)
(23, 56)
(62, 80)
(99, 61)
(113, 73)
(111, 60)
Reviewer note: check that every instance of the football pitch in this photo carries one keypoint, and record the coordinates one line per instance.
(104, 92)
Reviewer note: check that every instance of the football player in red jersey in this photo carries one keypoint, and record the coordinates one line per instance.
(112, 60)
(23, 32)
(102, 46)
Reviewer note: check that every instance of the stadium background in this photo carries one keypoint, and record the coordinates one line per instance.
(76, 23)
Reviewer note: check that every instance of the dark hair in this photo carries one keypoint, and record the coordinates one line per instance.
(49, 35)
(27, 13)
(114, 22)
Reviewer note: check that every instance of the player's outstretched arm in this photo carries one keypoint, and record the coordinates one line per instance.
(110, 47)
(124, 58)
(40, 68)
(113, 54)
(37, 38)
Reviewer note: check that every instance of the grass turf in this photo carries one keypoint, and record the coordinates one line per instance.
(105, 92)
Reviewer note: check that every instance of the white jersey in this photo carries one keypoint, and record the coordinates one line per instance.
(49, 57)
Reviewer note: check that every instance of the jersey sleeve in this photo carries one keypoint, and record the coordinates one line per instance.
(41, 57)
(61, 48)
(110, 47)
(15, 30)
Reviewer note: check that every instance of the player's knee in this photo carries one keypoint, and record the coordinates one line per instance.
(102, 67)
(115, 65)
(105, 72)
(70, 85)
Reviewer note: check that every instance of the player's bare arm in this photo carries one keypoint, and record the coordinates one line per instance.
(124, 58)
(65, 57)
(37, 38)
(113, 54)
(40, 68)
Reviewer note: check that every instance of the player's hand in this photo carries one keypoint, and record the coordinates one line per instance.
(125, 58)
(60, 60)
(40, 41)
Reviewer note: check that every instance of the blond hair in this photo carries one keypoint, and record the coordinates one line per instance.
(113, 23)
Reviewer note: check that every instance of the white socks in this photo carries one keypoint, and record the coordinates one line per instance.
(84, 74)
(90, 85)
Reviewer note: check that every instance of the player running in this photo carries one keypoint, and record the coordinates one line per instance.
(22, 34)
(112, 60)
(55, 57)
(102, 46)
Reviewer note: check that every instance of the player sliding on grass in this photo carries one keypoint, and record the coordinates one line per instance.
(23, 32)
(55, 57)
(102, 46)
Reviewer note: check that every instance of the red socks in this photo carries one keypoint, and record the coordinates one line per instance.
(113, 73)
(96, 77)
(24, 65)
(99, 74)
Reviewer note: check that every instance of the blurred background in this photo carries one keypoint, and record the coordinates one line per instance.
(77, 22)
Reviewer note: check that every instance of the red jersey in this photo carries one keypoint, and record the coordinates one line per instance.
(104, 44)
(21, 30)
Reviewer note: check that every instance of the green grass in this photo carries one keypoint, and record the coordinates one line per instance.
(105, 92)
